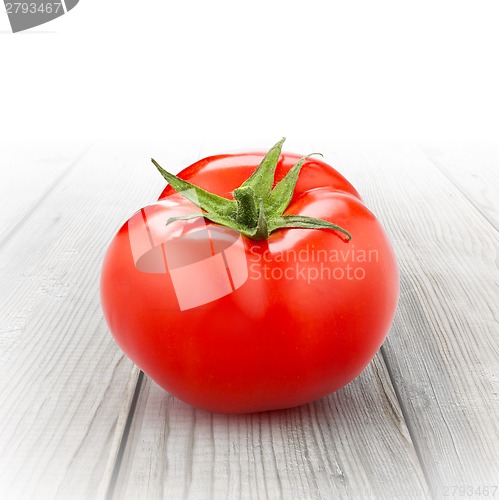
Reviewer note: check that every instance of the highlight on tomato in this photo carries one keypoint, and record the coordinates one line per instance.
(257, 281)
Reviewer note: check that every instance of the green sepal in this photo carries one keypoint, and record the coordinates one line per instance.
(282, 193)
(262, 179)
(193, 215)
(217, 219)
(304, 222)
(258, 207)
(210, 202)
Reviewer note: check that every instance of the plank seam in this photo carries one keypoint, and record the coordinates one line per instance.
(42, 198)
(124, 440)
(469, 198)
(407, 421)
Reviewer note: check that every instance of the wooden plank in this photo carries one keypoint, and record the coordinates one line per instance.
(352, 444)
(443, 353)
(65, 387)
(27, 175)
(474, 168)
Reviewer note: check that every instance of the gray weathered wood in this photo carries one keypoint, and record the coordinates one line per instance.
(475, 170)
(353, 444)
(28, 173)
(443, 353)
(65, 387)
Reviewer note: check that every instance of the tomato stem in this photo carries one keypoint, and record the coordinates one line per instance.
(258, 206)
(247, 206)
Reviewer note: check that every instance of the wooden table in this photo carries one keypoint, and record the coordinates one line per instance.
(78, 419)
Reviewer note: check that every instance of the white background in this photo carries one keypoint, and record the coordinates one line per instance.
(191, 71)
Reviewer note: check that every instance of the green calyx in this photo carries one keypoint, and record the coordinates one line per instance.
(258, 206)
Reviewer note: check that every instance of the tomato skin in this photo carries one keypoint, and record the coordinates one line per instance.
(282, 338)
(221, 174)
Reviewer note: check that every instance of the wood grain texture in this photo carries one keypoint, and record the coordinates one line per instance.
(28, 174)
(474, 168)
(65, 387)
(443, 353)
(352, 444)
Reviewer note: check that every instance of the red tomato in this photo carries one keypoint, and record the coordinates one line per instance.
(234, 325)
